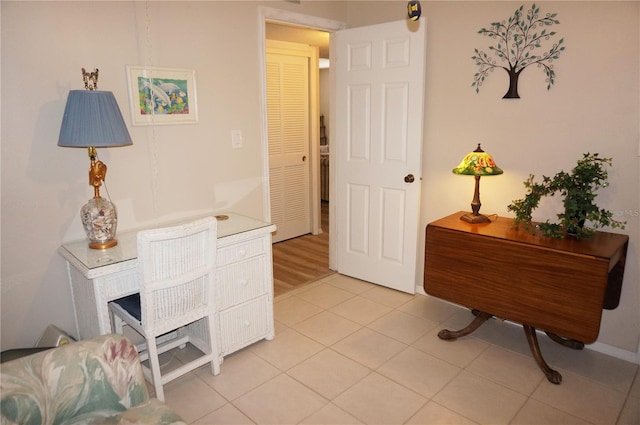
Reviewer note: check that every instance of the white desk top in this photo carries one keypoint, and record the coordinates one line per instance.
(127, 241)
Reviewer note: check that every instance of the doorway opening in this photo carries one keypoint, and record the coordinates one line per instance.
(307, 258)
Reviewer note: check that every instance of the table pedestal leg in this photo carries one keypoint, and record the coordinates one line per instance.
(480, 318)
(553, 376)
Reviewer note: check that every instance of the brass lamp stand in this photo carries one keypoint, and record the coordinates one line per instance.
(99, 215)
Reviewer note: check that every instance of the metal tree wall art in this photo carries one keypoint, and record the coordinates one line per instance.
(518, 41)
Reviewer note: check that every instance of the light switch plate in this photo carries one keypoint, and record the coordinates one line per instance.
(236, 139)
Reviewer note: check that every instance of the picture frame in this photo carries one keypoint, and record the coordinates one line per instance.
(162, 95)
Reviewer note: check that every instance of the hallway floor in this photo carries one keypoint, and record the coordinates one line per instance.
(349, 352)
(301, 260)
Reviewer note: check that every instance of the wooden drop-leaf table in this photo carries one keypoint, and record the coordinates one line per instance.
(558, 286)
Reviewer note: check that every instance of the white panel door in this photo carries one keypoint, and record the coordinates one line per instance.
(379, 118)
(288, 138)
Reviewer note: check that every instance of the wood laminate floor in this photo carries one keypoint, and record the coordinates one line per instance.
(302, 260)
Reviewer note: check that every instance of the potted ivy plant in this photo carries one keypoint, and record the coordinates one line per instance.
(578, 189)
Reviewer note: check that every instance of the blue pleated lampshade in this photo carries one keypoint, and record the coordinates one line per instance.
(92, 118)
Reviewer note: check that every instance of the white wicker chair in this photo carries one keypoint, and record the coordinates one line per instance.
(177, 267)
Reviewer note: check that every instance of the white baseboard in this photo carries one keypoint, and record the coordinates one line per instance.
(616, 352)
(599, 347)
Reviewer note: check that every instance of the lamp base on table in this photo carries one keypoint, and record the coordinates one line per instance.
(105, 245)
(475, 218)
(100, 220)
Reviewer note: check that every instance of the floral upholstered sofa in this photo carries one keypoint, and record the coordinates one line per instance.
(97, 381)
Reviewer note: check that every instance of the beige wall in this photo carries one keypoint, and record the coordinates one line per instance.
(178, 170)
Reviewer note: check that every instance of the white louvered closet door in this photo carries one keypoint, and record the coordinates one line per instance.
(288, 132)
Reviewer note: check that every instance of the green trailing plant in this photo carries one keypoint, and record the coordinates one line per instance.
(578, 189)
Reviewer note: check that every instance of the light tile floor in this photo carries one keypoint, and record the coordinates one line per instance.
(349, 352)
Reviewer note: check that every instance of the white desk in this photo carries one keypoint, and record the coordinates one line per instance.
(244, 279)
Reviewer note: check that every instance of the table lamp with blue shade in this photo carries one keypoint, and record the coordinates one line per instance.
(92, 119)
(477, 163)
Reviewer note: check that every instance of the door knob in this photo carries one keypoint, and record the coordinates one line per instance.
(409, 178)
(304, 158)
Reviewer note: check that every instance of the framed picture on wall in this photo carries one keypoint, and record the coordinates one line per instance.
(162, 95)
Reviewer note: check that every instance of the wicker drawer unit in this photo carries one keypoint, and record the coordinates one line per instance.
(246, 323)
(241, 251)
(245, 288)
(244, 279)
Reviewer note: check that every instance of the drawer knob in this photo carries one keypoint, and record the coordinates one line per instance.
(244, 282)
(242, 252)
(247, 323)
